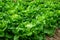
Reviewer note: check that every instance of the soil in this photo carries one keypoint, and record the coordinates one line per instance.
(55, 37)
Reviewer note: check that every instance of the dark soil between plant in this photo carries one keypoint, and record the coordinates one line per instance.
(55, 37)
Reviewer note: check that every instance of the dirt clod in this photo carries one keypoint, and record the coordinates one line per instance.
(55, 37)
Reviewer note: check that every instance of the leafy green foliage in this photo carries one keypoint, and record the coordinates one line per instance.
(28, 19)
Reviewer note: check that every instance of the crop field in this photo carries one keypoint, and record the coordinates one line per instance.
(29, 19)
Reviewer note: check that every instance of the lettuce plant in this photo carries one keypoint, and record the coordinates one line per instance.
(28, 19)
